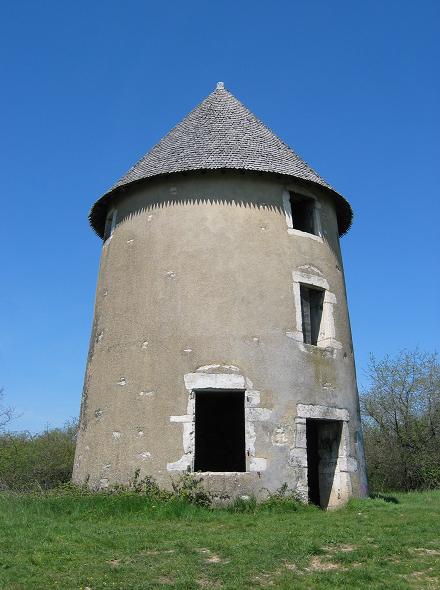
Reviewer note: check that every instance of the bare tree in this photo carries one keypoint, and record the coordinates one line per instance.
(7, 413)
(401, 412)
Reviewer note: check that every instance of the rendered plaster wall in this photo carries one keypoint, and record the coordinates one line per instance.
(198, 277)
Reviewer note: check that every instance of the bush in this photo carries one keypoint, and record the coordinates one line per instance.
(39, 461)
(401, 415)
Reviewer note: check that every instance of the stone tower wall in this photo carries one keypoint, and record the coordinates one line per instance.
(198, 287)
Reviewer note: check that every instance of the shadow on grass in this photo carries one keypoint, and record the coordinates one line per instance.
(385, 498)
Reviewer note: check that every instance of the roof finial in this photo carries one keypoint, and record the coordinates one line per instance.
(220, 86)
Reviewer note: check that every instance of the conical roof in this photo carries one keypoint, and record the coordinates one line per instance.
(220, 133)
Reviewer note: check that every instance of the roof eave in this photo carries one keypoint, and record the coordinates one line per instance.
(98, 211)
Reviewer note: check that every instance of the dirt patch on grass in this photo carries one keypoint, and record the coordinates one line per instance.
(417, 578)
(210, 584)
(347, 548)
(268, 578)
(426, 551)
(211, 557)
(215, 559)
(317, 565)
(265, 579)
(158, 551)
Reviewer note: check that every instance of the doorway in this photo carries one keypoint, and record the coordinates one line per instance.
(219, 431)
(323, 441)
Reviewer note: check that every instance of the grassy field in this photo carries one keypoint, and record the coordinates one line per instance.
(129, 542)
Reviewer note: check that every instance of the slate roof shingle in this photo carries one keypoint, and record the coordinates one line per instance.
(220, 133)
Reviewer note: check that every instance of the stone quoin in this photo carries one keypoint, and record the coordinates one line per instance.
(221, 339)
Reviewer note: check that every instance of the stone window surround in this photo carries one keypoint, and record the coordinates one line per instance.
(113, 214)
(289, 218)
(298, 453)
(327, 333)
(253, 413)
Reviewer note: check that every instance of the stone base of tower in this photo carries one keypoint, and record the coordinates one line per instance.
(311, 452)
(227, 487)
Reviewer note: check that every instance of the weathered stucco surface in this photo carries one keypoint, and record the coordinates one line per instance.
(198, 278)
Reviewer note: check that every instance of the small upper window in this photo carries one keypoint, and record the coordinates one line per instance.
(303, 214)
(110, 223)
(311, 311)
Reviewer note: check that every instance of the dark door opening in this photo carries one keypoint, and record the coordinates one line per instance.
(220, 433)
(323, 440)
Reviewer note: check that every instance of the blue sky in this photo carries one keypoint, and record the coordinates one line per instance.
(88, 87)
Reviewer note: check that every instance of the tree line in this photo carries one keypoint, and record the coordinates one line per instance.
(401, 422)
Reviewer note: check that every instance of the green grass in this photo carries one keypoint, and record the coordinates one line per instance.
(129, 542)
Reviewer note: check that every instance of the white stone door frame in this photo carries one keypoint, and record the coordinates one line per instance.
(202, 380)
(298, 454)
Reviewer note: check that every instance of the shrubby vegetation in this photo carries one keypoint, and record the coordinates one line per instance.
(401, 416)
(186, 490)
(37, 461)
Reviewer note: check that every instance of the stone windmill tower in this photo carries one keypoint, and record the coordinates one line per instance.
(221, 340)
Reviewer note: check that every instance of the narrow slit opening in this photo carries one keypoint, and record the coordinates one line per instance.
(312, 301)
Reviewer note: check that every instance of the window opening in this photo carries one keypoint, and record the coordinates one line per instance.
(303, 213)
(323, 440)
(220, 431)
(311, 311)
(110, 223)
